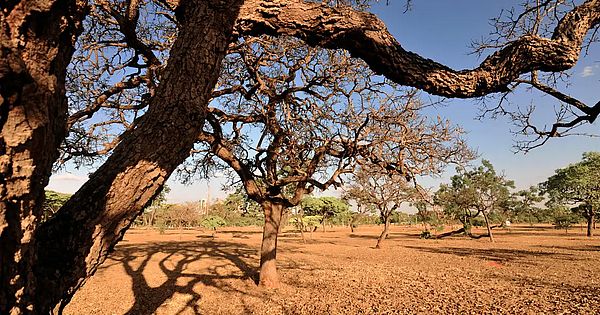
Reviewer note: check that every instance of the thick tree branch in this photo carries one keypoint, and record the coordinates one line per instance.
(366, 37)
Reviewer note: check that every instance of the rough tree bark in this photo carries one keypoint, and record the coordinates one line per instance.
(366, 37)
(590, 224)
(72, 245)
(384, 234)
(36, 44)
(488, 227)
(268, 276)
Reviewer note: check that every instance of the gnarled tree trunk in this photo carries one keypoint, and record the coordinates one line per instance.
(268, 276)
(36, 45)
(488, 227)
(78, 238)
(384, 233)
(590, 225)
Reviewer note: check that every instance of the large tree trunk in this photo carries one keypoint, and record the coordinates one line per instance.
(268, 251)
(590, 224)
(488, 227)
(79, 237)
(36, 45)
(384, 233)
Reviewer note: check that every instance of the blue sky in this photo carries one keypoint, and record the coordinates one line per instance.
(442, 30)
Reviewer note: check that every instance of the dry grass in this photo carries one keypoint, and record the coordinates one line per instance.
(527, 271)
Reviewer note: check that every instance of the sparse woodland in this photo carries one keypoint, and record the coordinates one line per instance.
(263, 89)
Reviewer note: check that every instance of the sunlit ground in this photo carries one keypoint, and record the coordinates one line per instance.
(528, 270)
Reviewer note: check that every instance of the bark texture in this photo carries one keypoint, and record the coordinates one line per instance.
(78, 238)
(36, 44)
(384, 234)
(268, 251)
(365, 36)
(487, 226)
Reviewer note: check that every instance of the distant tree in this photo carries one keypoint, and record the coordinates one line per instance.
(213, 222)
(578, 185)
(375, 187)
(52, 202)
(475, 192)
(239, 202)
(525, 206)
(148, 216)
(237, 209)
(325, 207)
(430, 215)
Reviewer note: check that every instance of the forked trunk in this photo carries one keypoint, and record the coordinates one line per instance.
(488, 227)
(384, 233)
(268, 276)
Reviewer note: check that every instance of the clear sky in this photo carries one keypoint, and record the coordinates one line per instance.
(442, 30)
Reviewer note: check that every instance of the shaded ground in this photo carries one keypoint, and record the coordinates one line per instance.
(527, 271)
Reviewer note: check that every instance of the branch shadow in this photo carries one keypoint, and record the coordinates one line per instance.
(173, 260)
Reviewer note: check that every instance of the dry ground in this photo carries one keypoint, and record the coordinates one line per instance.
(529, 270)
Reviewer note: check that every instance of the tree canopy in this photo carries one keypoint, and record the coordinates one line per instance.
(475, 192)
(577, 185)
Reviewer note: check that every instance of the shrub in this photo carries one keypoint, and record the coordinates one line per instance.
(213, 222)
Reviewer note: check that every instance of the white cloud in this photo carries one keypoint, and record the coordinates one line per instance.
(69, 177)
(66, 183)
(588, 71)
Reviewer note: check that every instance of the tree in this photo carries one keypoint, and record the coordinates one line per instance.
(325, 207)
(375, 187)
(430, 215)
(52, 202)
(237, 209)
(578, 186)
(160, 201)
(239, 202)
(471, 193)
(525, 205)
(293, 119)
(37, 43)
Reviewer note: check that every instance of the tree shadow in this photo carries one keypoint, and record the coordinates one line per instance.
(173, 260)
(495, 254)
(582, 248)
(391, 236)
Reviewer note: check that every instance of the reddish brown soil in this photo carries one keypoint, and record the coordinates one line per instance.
(529, 270)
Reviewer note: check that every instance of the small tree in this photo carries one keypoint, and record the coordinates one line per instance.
(148, 217)
(476, 192)
(292, 119)
(52, 202)
(213, 222)
(525, 207)
(578, 185)
(325, 207)
(431, 216)
(385, 192)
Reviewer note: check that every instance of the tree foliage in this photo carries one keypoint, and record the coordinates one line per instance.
(52, 202)
(479, 191)
(375, 187)
(577, 185)
(326, 208)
